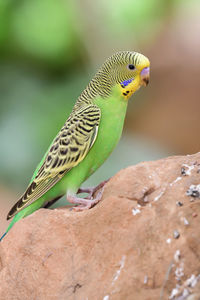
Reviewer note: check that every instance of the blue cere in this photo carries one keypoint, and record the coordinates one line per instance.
(126, 82)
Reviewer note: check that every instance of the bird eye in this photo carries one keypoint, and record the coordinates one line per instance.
(131, 67)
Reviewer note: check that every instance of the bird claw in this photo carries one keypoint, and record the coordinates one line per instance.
(92, 190)
(89, 201)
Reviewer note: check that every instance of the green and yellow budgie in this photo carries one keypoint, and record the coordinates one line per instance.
(87, 138)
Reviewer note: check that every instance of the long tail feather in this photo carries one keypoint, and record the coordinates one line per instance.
(3, 236)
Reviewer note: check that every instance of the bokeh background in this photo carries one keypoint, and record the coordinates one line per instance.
(49, 50)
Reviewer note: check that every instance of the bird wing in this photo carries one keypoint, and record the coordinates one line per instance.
(68, 149)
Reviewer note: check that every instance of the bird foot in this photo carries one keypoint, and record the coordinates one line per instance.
(89, 201)
(92, 190)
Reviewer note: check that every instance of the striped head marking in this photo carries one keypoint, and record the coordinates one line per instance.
(126, 70)
(129, 70)
(136, 73)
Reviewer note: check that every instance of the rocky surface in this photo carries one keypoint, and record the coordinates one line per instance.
(142, 241)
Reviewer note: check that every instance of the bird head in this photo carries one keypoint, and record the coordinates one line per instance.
(129, 70)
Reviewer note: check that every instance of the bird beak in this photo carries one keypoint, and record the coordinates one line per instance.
(145, 76)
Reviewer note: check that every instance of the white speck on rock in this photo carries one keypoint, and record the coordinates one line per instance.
(106, 297)
(185, 293)
(176, 180)
(168, 241)
(145, 189)
(122, 263)
(177, 255)
(179, 272)
(173, 293)
(185, 221)
(192, 281)
(136, 211)
(176, 234)
(159, 195)
(194, 191)
(145, 279)
(189, 169)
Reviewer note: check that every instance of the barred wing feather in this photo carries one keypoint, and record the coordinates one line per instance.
(68, 149)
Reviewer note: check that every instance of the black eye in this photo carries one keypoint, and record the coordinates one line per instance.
(131, 67)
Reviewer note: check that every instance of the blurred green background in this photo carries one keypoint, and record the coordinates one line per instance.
(50, 49)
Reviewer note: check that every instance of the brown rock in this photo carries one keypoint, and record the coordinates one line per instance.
(139, 242)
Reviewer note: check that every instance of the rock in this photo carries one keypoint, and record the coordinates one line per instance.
(123, 248)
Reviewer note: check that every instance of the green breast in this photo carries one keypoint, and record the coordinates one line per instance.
(113, 111)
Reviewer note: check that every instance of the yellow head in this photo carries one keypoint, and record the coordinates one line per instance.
(124, 72)
(129, 70)
(139, 75)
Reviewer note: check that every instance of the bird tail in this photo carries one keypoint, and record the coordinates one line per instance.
(3, 236)
(29, 210)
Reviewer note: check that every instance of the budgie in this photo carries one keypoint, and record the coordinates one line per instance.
(87, 138)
